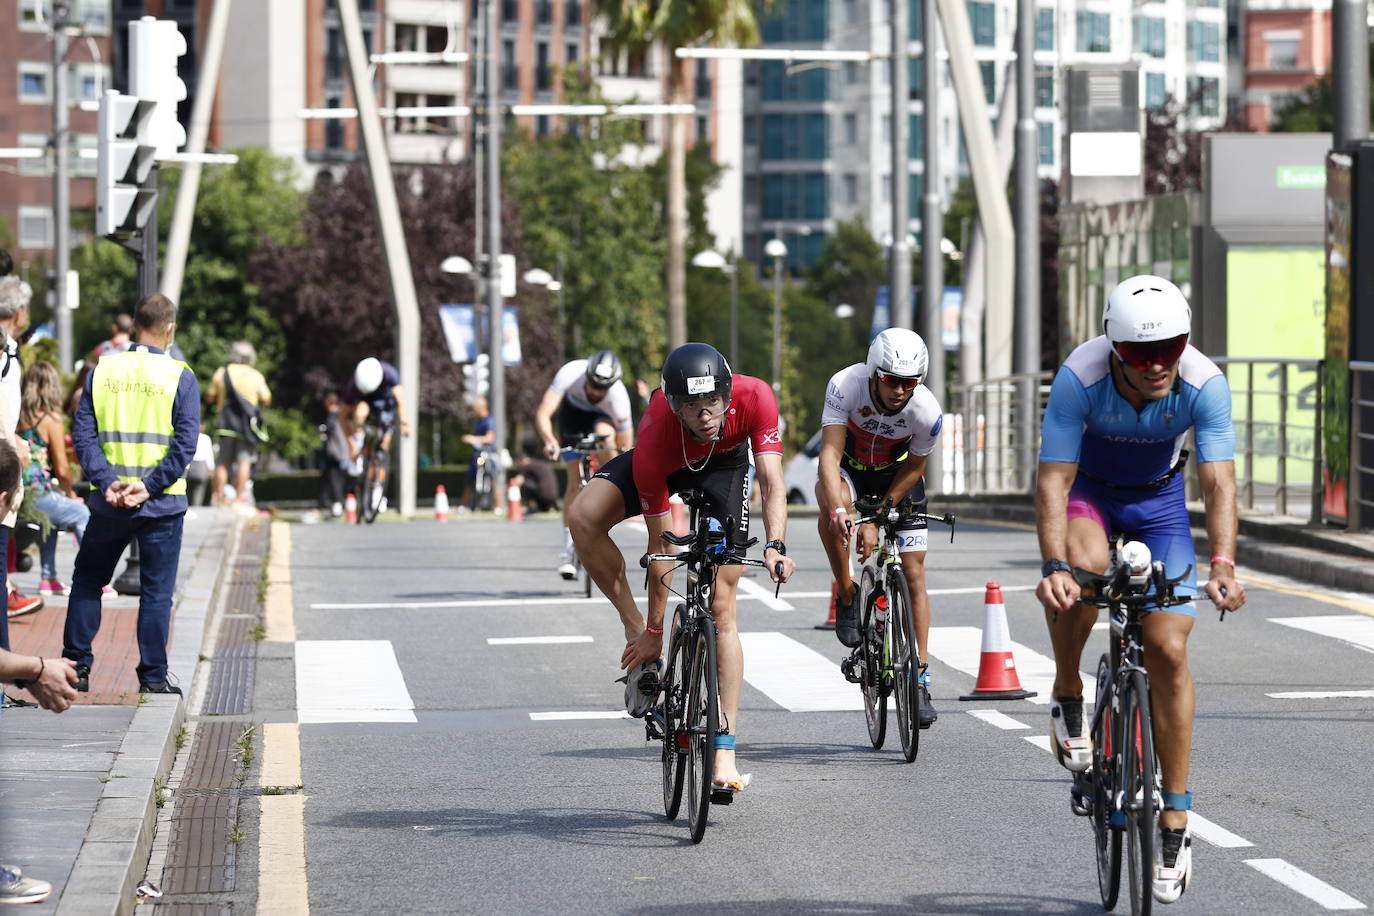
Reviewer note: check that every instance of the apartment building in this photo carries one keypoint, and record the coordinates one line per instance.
(1285, 47)
(817, 139)
(26, 117)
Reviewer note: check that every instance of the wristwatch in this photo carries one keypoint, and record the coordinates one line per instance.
(777, 545)
(1053, 566)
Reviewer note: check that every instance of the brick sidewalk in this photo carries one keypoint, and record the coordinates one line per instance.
(114, 680)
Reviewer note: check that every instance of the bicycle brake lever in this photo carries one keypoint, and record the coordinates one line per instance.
(777, 583)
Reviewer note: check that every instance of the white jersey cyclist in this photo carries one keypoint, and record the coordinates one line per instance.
(568, 383)
(875, 440)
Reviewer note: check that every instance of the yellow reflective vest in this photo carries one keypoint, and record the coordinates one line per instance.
(133, 395)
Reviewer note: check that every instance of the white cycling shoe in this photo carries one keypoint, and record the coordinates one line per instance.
(1072, 746)
(1171, 881)
(641, 688)
(566, 569)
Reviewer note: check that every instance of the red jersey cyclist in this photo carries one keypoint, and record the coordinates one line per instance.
(696, 434)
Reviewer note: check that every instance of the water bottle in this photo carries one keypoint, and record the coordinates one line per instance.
(881, 612)
(715, 538)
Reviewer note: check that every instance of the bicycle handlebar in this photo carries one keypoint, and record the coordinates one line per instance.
(1117, 587)
(884, 513)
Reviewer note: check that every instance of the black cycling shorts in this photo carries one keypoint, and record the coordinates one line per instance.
(574, 424)
(724, 480)
(870, 485)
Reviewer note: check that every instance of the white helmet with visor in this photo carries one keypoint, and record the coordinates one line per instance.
(1147, 320)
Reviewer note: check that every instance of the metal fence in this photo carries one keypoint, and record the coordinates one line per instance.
(992, 437)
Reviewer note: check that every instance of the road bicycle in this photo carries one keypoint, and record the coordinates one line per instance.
(587, 447)
(687, 717)
(1121, 791)
(484, 480)
(372, 482)
(885, 663)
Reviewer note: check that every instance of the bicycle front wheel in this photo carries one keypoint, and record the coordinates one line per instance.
(374, 488)
(1106, 839)
(871, 654)
(1138, 785)
(901, 626)
(701, 722)
(674, 736)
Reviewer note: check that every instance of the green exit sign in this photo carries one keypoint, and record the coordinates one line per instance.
(1300, 177)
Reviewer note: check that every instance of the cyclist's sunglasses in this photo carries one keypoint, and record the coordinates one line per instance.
(1141, 355)
(897, 382)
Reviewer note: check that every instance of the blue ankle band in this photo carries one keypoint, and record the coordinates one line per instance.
(725, 742)
(1177, 801)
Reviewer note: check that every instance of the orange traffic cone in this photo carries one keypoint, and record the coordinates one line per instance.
(679, 509)
(440, 504)
(997, 678)
(515, 510)
(351, 509)
(830, 617)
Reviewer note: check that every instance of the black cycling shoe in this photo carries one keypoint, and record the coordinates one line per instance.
(847, 621)
(925, 712)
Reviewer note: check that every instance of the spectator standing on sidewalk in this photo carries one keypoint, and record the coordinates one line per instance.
(241, 392)
(135, 433)
(14, 309)
(481, 438)
(47, 476)
(334, 458)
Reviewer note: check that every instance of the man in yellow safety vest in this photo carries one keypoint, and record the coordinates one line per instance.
(135, 432)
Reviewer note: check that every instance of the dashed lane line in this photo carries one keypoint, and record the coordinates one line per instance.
(575, 714)
(751, 588)
(1321, 694)
(1354, 629)
(999, 719)
(534, 640)
(1310, 886)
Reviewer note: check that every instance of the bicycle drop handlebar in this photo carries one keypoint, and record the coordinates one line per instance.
(884, 513)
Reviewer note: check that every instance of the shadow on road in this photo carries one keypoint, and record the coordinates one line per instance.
(583, 826)
(925, 904)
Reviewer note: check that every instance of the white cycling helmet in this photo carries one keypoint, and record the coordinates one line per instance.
(367, 378)
(1148, 321)
(900, 352)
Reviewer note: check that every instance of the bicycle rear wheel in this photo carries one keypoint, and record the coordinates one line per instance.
(1138, 785)
(701, 722)
(674, 743)
(902, 627)
(374, 488)
(871, 649)
(1106, 839)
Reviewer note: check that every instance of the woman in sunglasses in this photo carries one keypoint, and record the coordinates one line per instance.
(878, 427)
(1111, 454)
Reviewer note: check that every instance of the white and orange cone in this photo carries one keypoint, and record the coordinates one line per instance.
(997, 678)
(515, 509)
(440, 504)
(351, 509)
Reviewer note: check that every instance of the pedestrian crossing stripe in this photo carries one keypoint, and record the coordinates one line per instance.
(350, 680)
(961, 649)
(1356, 629)
(796, 677)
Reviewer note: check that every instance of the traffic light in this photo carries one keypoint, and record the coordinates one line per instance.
(155, 46)
(125, 156)
(476, 378)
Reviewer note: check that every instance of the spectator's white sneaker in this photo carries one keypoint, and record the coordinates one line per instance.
(566, 569)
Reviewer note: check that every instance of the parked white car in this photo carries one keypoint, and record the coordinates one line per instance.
(799, 477)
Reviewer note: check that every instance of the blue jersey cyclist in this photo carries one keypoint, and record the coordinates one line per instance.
(1111, 458)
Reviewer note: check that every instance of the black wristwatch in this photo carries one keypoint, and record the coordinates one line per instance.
(777, 545)
(1053, 566)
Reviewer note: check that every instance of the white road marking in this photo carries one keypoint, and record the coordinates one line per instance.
(1214, 833)
(1311, 887)
(1102, 625)
(579, 714)
(1001, 720)
(350, 680)
(749, 588)
(1321, 694)
(961, 648)
(797, 678)
(1040, 741)
(640, 599)
(1356, 629)
(534, 640)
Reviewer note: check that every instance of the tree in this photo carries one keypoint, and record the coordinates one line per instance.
(586, 209)
(1311, 110)
(637, 26)
(1173, 153)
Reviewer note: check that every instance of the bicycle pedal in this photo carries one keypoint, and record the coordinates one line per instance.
(847, 669)
(722, 797)
(649, 684)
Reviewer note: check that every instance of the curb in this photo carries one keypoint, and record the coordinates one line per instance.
(114, 854)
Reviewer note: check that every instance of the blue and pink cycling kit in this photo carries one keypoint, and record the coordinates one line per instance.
(1126, 457)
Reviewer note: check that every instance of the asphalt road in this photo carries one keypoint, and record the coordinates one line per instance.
(473, 799)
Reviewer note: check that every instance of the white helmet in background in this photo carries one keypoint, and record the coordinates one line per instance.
(899, 352)
(367, 378)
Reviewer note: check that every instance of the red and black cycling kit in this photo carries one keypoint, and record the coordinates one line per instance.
(667, 459)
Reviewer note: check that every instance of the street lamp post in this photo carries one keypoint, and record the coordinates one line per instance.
(717, 261)
(776, 250)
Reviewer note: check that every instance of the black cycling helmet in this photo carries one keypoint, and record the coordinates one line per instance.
(603, 369)
(695, 370)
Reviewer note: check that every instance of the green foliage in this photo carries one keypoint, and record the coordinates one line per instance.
(639, 24)
(585, 209)
(1310, 110)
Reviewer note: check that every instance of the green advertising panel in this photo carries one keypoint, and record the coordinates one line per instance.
(1275, 308)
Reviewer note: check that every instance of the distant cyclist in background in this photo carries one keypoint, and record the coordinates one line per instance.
(586, 396)
(373, 398)
(878, 427)
(1111, 461)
